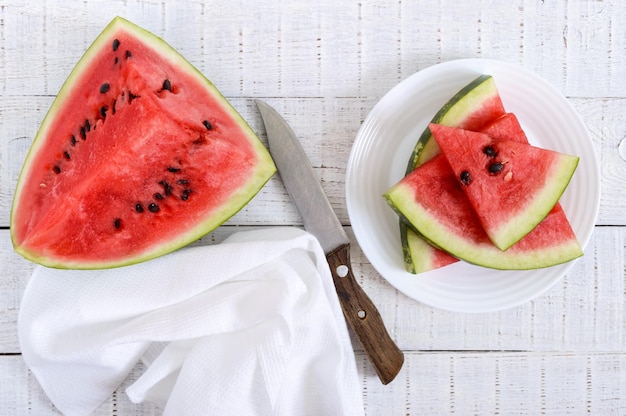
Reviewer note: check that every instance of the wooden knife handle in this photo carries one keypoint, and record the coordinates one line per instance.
(363, 317)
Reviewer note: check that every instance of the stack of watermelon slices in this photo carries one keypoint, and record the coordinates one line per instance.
(483, 194)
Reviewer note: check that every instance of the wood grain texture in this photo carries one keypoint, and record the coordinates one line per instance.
(442, 383)
(363, 318)
(327, 128)
(324, 65)
(585, 311)
(327, 48)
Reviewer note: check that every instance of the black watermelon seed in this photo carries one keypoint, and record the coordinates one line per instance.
(127, 54)
(83, 133)
(139, 207)
(207, 125)
(103, 111)
(495, 167)
(117, 223)
(490, 151)
(466, 178)
(153, 207)
(87, 125)
(73, 140)
(167, 188)
(173, 169)
(158, 196)
(66, 155)
(116, 44)
(185, 195)
(56, 169)
(116, 60)
(113, 107)
(182, 182)
(131, 97)
(104, 88)
(167, 85)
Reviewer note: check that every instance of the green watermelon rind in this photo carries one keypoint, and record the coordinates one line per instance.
(452, 113)
(430, 253)
(259, 177)
(400, 199)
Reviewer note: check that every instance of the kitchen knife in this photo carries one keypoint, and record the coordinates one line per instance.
(320, 220)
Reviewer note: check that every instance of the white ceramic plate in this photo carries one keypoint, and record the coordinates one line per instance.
(380, 154)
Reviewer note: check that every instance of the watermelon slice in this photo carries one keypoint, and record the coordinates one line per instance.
(474, 106)
(443, 215)
(511, 186)
(508, 127)
(471, 107)
(138, 155)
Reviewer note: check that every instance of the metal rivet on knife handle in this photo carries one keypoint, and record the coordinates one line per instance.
(342, 270)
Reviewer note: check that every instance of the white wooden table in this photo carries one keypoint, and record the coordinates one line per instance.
(324, 65)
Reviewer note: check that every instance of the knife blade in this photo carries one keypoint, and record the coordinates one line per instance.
(320, 220)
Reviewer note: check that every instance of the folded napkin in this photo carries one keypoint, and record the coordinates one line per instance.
(251, 326)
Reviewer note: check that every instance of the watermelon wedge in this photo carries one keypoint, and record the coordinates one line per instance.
(511, 186)
(476, 104)
(138, 155)
(443, 215)
(508, 127)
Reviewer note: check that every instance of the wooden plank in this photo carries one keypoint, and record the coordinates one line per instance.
(585, 311)
(492, 383)
(328, 47)
(436, 383)
(327, 128)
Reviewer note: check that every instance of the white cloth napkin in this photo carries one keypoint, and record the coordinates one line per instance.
(251, 326)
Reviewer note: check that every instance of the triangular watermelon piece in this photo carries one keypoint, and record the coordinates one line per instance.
(511, 186)
(138, 155)
(432, 201)
(555, 226)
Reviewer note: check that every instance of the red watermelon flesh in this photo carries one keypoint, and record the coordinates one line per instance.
(505, 127)
(138, 155)
(512, 186)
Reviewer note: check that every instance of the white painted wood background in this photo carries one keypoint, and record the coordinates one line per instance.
(324, 65)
